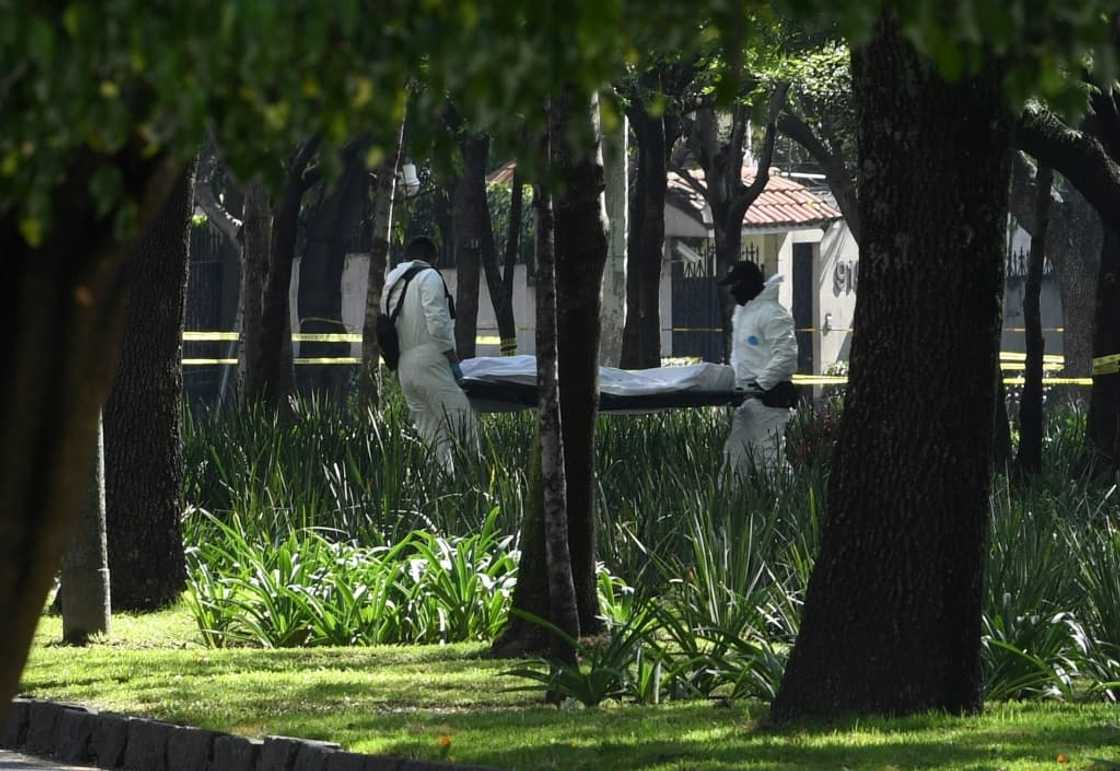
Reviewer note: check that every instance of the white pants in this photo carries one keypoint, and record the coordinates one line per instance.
(758, 434)
(440, 410)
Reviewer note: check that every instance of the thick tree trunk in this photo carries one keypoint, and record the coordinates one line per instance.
(642, 339)
(255, 253)
(581, 254)
(86, 606)
(513, 250)
(1104, 404)
(614, 275)
(62, 307)
(1030, 404)
(532, 589)
(384, 194)
(563, 604)
(143, 453)
(330, 229)
(728, 232)
(467, 201)
(892, 614)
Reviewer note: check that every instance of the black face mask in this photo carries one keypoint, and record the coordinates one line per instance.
(744, 293)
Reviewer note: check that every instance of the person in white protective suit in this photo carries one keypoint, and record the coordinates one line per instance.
(764, 357)
(428, 371)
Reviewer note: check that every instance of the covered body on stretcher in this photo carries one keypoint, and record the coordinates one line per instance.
(505, 383)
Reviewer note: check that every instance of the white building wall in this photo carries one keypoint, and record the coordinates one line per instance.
(837, 273)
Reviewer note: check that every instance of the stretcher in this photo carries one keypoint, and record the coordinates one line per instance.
(508, 383)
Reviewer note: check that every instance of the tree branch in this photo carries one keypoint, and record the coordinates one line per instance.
(1078, 156)
(692, 181)
(745, 197)
(227, 224)
(839, 177)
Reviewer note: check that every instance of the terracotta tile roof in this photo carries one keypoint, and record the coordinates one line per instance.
(503, 174)
(784, 201)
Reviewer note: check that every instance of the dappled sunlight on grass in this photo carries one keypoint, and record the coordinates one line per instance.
(434, 702)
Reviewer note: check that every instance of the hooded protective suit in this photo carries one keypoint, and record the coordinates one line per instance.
(763, 354)
(426, 330)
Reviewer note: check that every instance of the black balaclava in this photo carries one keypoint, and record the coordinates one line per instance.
(749, 287)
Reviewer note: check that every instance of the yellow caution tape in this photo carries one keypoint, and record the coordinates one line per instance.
(204, 362)
(308, 337)
(328, 360)
(327, 337)
(1081, 381)
(1106, 365)
(1046, 365)
(191, 337)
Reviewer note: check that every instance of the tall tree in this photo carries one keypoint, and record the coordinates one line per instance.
(87, 605)
(892, 614)
(271, 358)
(723, 188)
(562, 602)
(1089, 157)
(615, 161)
(332, 222)
(468, 200)
(1030, 405)
(143, 453)
(385, 188)
(1073, 246)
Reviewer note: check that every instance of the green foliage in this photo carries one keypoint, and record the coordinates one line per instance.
(335, 530)
(1039, 45)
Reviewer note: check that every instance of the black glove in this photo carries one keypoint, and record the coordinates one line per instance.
(457, 371)
(753, 390)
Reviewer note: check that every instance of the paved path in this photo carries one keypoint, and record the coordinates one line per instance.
(10, 761)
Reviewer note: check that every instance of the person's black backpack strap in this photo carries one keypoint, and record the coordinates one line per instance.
(387, 336)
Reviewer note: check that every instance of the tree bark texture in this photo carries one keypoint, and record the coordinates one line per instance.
(1030, 404)
(143, 417)
(1073, 246)
(468, 201)
(1104, 405)
(500, 299)
(891, 621)
(531, 593)
(617, 180)
(513, 250)
(581, 254)
(86, 605)
(330, 228)
(255, 253)
(63, 309)
(563, 604)
(642, 336)
(383, 198)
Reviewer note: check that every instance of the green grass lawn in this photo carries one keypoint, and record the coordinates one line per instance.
(411, 700)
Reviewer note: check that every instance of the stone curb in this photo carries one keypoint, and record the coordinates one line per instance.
(75, 734)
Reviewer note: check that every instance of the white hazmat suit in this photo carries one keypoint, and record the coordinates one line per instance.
(440, 410)
(763, 354)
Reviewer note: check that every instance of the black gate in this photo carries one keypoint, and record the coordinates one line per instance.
(803, 305)
(697, 326)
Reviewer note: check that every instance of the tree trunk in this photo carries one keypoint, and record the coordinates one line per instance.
(643, 317)
(563, 604)
(501, 301)
(614, 276)
(513, 250)
(581, 254)
(891, 620)
(468, 200)
(86, 606)
(1073, 246)
(728, 232)
(530, 594)
(330, 230)
(255, 254)
(384, 194)
(1001, 437)
(1030, 404)
(63, 309)
(1104, 404)
(143, 453)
